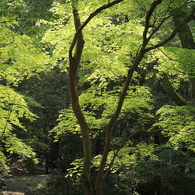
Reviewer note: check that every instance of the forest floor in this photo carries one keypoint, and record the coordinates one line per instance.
(22, 185)
(20, 182)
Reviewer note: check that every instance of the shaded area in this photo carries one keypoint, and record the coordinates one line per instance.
(20, 185)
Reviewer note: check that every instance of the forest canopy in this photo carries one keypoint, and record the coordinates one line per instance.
(102, 90)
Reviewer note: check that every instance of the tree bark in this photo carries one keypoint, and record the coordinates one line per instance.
(144, 49)
(186, 38)
(72, 82)
(74, 62)
(101, 177)
(173, 95)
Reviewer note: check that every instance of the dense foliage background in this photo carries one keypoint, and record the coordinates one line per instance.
(153, 138)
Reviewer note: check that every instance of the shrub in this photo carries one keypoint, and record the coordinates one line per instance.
(58, 185)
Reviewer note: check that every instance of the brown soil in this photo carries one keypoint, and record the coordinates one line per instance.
(12, 193)
(21, 185)
(22, 182)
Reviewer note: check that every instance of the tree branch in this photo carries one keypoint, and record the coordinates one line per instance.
(147, 20)
(122, 146)
(158, 27)
(74, 60)
(74, 63)
(138, 59)
(173, 33)
(173, 95)
(91, 16)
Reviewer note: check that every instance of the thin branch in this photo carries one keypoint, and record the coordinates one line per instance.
(6, 44)
(123, 144)
(166, 55)
(91, 16)
(147, 20)
(158, 27)
(141, 5)
(78, 44)
(137, 60)
(174, 32)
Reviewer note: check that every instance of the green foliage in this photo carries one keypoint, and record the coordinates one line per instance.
(99, 104)
(50, 91)
(170, 173)
(66, 159)
(60, 185)
(178, 124)
(76, 170)
(183, 57)
(129, 155)
(3, 166)
(10, 11)
(13, 108)
(67, 124)
(175, 65)
(146, 169)
(177, 62)
(20, 57)
(15, 145)
(21, 15)
(32, 102)
(103, 37)
(111, 42)
(33, 42)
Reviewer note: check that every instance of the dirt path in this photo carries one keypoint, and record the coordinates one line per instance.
(20, 185)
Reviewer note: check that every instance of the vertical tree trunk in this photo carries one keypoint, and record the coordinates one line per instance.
(74, 60)
(101, 177)
(186, 37)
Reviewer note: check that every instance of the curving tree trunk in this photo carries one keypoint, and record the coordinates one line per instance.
(75, 53)
(170, 91)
